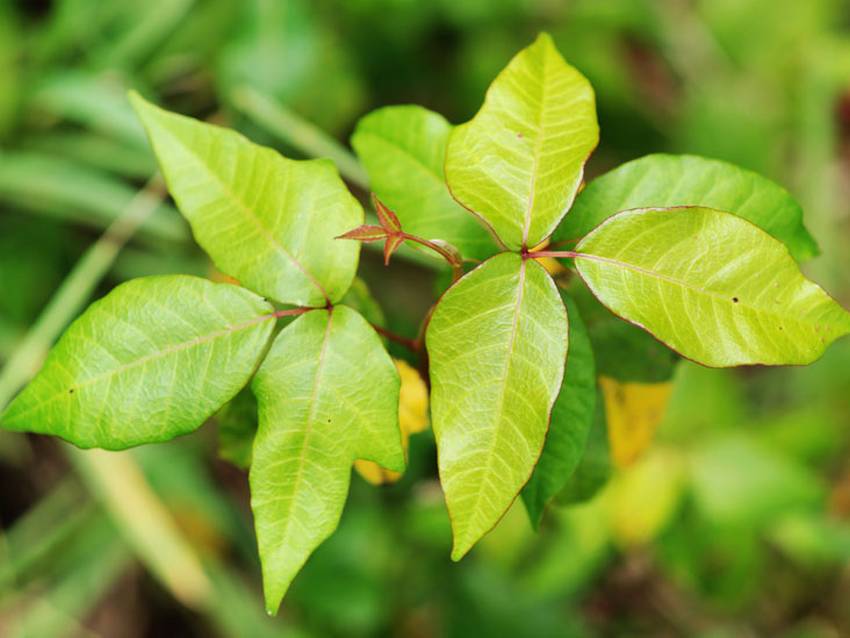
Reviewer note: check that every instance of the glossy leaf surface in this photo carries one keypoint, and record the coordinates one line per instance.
(150, 361)
(519, 162)
(497, 343)
(711, 285)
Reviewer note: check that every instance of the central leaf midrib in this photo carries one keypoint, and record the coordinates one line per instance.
(538, 142)
(684, 284)
(160, 354)
(311, 409)
(509, 359)
(250, 214)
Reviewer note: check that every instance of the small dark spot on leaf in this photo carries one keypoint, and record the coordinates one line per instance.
(780, 327)
(329, 420)
(519, 135)
(735, 299)
(71, 391)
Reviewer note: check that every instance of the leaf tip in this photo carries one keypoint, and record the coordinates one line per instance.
(458, 553)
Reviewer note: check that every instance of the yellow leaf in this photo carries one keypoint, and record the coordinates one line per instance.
(633, 411)
(412, 418)
(643, 498)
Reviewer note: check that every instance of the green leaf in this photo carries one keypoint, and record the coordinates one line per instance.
(497, 343)
(621, 350)
(594, 468)
(686, 180)
(519, 162)
(327, 394)
(150, 361)
(572, 416)
(403, 149)
(268, 221)
(237, 425)
(710, 285)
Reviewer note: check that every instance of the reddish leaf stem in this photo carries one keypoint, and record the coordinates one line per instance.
(451, 259)
(414, 345)
(561, 254)
(290, 312)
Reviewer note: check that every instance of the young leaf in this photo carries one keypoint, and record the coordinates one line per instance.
(403, 148)
(687, 180)
(150, 361)
(519, 162)
(572, 416)
(327, 394)
(634, 411)
(497, 343)
(268, 221)
(710, 285)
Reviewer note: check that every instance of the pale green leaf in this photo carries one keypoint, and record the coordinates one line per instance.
(327, 394)
(266, 220)
(519, 162)
(687, 180)
(403, 149)
(497, 343)
(712, 286)
(150, 361)
(572, 416)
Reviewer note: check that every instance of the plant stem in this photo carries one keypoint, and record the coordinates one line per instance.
(298, 132)
(118, 483)
(290, 312)
(414, 345)
(451, 259)
(75, 290)
(560, 254)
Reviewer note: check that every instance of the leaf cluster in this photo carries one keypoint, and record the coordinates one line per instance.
(698, 253)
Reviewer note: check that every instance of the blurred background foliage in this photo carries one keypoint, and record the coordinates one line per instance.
(735, 521)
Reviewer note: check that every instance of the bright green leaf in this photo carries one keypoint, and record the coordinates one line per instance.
(497, 343)
(572, 416)
(711, 285)
(268, 221)
(687, 180)
(327, 394)
(150, 361)
(403, 148)
(519, 162)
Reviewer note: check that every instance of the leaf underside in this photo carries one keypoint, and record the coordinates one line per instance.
(327, 395)
(266, 220)
(150, 361)
(572, 416)
(519, 162)
(496, 342)
(712, 286)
